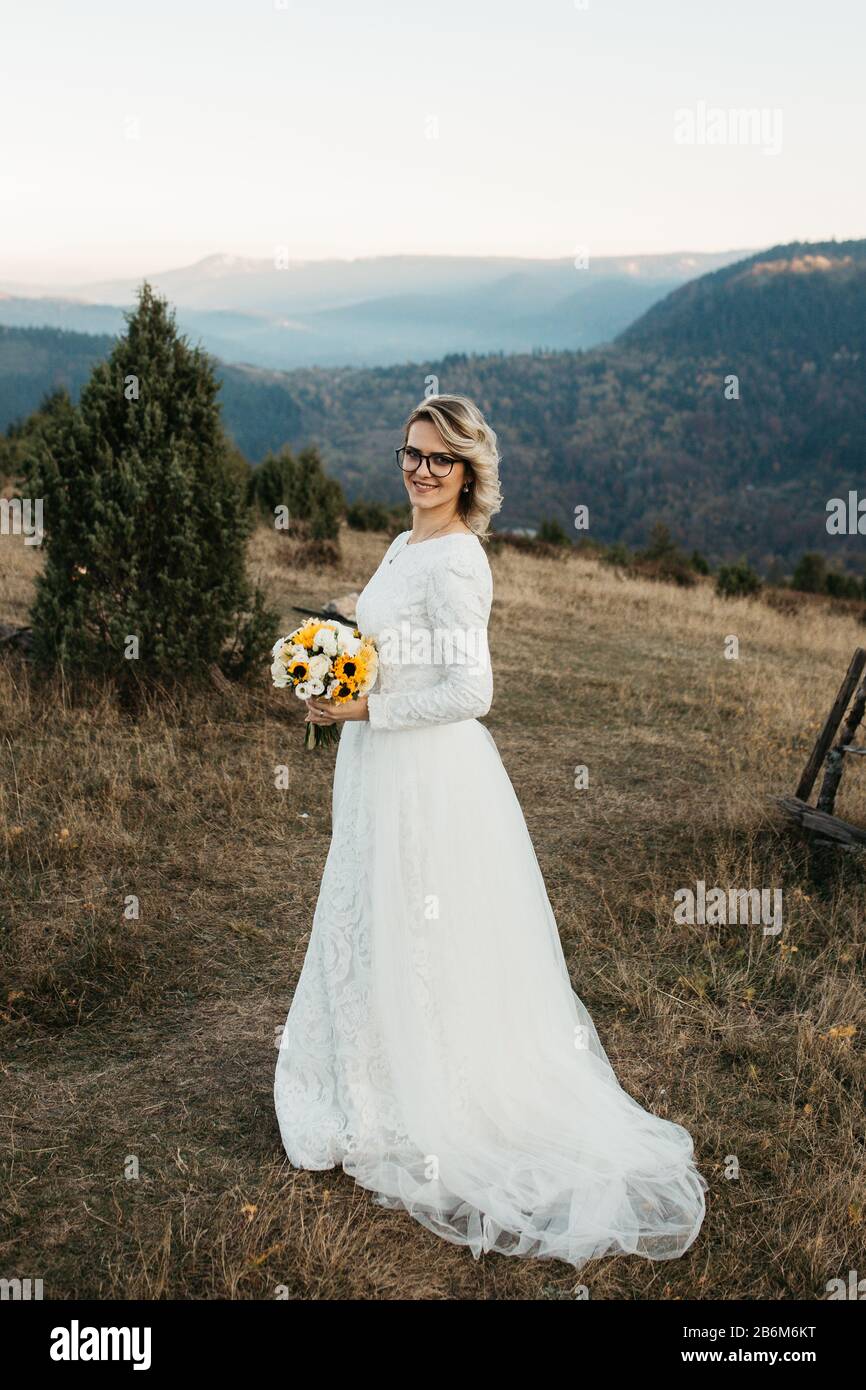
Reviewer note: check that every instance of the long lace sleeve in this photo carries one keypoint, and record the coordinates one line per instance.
(459, 595)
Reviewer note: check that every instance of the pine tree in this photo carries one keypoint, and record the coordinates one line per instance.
(145, 518)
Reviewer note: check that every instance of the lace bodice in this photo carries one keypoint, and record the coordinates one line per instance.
(427, 606)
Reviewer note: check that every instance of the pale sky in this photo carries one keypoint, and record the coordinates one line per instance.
(138, 137)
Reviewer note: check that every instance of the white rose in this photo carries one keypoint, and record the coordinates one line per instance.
(326, 641)
(349, 643)
(319, 666)
(304, 690)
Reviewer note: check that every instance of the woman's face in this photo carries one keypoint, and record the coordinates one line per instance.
(425, 490)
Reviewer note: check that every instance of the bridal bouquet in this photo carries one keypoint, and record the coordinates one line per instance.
(325, 658)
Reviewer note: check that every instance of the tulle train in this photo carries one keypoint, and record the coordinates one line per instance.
(435, 1047)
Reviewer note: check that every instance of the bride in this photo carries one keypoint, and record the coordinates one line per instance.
(434, 1047)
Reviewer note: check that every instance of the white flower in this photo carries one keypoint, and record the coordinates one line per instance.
(325, 640)
(279, 675)
(316, 687)
(349, 644)
(278, 646)
(304, 690)
(320, 665)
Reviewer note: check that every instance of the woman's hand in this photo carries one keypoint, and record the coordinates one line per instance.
(321, 711)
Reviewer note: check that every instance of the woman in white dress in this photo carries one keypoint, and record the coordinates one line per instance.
(434, 1047)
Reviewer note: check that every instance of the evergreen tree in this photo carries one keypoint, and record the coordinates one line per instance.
(738, 580)
(315, 502)
(662, 545)
(552, 532)
(145, 518)
(810, 575)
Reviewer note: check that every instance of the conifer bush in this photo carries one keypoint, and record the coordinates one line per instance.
(314, 501)
(737, 580)
(145, 518)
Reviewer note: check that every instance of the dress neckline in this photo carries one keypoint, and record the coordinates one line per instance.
(467, 535)
(452, 535)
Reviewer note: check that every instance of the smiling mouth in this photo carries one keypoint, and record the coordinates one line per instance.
(425, 487)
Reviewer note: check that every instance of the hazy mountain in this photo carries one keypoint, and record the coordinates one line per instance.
(224, 282)
(382, 310)
(219, 331)
(641, 430)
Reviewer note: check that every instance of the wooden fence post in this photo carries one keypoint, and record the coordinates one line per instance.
(834, 718)
(836, 759)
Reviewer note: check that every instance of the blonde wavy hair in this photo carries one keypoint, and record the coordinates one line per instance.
(466, 433)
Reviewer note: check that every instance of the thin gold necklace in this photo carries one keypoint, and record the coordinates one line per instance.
(432, 533)
(426, 538)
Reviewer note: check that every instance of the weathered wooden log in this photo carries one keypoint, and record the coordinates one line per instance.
(818, 822)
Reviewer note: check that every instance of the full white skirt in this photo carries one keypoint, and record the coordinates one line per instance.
(435, 1048)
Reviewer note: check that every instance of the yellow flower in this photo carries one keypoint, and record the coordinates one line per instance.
(298, 670)
(345, 668)
(366, 666)
(346, 690)
(303, 636)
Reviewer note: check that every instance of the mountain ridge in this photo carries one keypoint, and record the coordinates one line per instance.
(378, 311)
(641, 430)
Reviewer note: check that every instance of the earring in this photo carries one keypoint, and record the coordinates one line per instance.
(465, 487)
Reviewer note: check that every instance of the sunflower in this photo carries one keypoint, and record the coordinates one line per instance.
(345, 668)
(343, 690)
(303, 636)
(298, 670)
(366, 666)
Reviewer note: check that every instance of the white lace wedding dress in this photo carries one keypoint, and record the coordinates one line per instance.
(434, 1047)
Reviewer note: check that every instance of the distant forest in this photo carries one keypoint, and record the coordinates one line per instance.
(732, 411)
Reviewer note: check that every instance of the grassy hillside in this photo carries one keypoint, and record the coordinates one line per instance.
(156, 1037)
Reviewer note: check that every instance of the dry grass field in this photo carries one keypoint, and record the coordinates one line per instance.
(141, 1151)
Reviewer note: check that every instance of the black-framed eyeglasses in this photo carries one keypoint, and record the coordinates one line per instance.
(410, 461)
